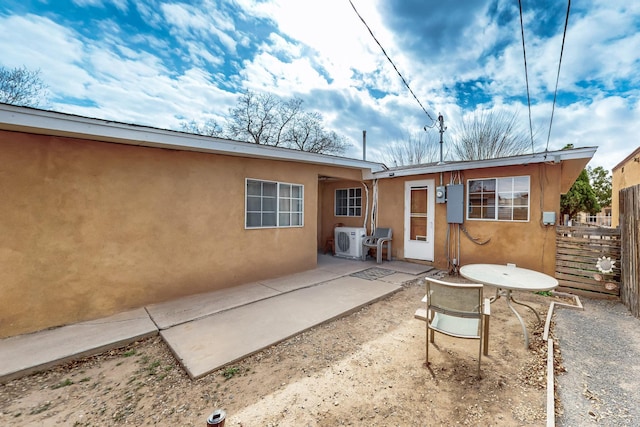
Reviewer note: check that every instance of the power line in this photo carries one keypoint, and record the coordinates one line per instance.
(394, 65)
(526, 73)
(555, 93)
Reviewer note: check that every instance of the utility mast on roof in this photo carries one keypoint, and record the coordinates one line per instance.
(441, 129)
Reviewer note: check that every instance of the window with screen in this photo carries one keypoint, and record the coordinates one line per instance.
(348, 202)
(273, 204)
(498, 199)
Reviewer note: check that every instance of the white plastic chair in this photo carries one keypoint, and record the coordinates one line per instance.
(458, 310)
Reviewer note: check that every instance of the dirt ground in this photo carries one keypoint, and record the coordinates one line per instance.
(363, 369)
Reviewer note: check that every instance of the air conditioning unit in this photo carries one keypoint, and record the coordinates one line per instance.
(348, 241)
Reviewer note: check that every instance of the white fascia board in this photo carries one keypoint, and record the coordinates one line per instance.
(548, 157)
(43, 122)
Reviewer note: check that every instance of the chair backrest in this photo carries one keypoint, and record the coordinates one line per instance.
(382, 232)
(456, 309)
(454, 299)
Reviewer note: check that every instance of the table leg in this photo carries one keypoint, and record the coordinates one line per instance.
(507, 295)
(529, 307)
(496, 296)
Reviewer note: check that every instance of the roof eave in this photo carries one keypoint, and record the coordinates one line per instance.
(626, 159)
(547, 157)
(31, 120)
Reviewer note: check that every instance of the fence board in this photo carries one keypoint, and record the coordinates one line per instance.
(579, 264)
(590, 232)
(578, 282)
(630, 230)
(578, 250)
(584, 275)
(590, 249)
(589, 253)
(579, 243)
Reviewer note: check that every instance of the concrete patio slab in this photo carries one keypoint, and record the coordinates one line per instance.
(25, 354)
(195, 307)
(300, 280)
(343, 266)
(407, 267)
(205, 345)
(264, 312)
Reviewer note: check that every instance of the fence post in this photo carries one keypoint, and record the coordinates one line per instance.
(629, 201)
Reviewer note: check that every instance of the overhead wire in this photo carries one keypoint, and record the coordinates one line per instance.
(526, 73)
(433, 121)
(555, 93)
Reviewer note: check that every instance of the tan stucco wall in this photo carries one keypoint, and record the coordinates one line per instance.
(327, 218)
(626, 174)
(90, 228)
(528, 244)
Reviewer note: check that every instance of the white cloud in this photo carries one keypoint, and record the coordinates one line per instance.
(609, 123)
(332, 30)
(48, 46)
(120, 4)
(188, 21)
(322, 52)
(601, 46)
(38, 38)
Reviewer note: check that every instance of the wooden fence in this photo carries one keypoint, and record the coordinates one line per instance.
(630, 230)
(577, 252)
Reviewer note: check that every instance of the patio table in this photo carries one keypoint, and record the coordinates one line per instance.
(508, 278)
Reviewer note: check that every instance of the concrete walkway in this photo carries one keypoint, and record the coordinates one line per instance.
(208, 331)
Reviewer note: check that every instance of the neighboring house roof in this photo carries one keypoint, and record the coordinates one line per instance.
(521, 160)
(636, 153)
(36, 121)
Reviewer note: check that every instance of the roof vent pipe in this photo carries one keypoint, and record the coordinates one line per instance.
(364, 145)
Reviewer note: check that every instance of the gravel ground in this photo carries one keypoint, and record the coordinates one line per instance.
(600, 349)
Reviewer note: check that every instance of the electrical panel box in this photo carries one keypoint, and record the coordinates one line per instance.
(455, 203)
(441, 194)
(549, 218)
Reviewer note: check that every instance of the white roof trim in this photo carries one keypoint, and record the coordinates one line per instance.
(31, 120)
(548, 157)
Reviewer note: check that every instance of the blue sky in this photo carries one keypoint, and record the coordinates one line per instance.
(159, 63)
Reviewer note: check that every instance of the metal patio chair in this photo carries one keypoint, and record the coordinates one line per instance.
(458, 310)
(381, 237)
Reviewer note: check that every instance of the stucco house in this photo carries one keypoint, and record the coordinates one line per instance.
(601, 219)
(98, 217)
(624, 174)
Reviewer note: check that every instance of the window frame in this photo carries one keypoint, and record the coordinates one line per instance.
(349, 199)
(281, 199)
(497, 206)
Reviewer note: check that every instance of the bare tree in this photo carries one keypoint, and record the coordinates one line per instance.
(209, 128)
(416, 148)
(286, 115)
(267, 119)
(306, 133)
(21, 86)
(254, 119)
(489, 135)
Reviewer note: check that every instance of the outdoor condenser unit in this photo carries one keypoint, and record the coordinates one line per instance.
(348, 241)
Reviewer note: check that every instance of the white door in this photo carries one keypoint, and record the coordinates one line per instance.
(419, 206)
